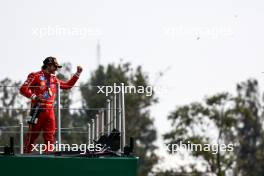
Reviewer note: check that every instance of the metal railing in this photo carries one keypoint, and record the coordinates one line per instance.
(110, 117)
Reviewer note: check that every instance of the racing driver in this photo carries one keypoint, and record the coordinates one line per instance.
(40, 87)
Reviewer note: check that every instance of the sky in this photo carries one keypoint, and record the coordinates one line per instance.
(203, 47)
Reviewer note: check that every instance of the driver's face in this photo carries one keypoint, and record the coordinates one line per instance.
(52, 69)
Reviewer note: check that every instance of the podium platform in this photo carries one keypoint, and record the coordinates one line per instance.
(43, 165)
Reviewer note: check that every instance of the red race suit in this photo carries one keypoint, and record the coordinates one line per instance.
(42, 84)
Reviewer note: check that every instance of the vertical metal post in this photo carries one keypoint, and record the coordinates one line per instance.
(119, 111)
(108, 117)
(102, 121)
(21, 137)
(114, 111)
(92, 131)
(120, 117)
(59, 114)
(111, 113)
(100, 124)
(123, 126)
(97, 126)
(89, 133)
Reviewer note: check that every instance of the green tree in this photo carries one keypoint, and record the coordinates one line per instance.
(235, 119)
(10, 99)
(249, 128)
(139, 124)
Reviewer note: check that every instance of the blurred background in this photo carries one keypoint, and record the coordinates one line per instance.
(203, 58)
